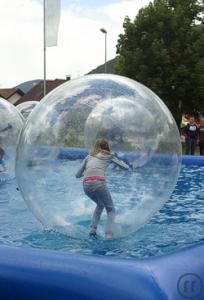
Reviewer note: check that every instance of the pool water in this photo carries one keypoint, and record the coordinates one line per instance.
(179, 223)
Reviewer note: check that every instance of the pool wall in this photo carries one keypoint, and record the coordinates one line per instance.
(193, 160)
(80, 153)
(38, 274)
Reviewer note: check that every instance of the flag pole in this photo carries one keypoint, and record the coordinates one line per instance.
(44, 42)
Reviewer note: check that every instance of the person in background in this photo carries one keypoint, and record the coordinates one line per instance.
(201, 136)
(191, 135)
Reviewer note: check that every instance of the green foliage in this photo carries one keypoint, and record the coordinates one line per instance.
(101, 68)
(73, 141)
(163, 49)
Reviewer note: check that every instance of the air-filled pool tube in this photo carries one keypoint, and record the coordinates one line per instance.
(39, 274)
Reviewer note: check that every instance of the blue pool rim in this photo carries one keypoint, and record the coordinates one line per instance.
(27, 273)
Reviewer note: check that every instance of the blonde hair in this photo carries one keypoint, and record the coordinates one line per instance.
(101, 145)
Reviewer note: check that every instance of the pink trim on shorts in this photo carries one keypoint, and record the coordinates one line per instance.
(94, 178)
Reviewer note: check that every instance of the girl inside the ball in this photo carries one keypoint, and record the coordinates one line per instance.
(93, 169)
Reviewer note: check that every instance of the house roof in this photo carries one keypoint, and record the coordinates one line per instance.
(7, 93)
(36, 93)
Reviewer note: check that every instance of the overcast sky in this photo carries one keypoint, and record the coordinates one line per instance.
(80, 44)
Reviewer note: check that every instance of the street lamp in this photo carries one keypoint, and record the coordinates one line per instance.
(105, 32)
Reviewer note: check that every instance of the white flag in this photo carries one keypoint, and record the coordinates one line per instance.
(52, 19)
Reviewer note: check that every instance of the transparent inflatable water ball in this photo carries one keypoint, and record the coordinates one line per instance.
(11, 123)
(25, 108)
(60, 133)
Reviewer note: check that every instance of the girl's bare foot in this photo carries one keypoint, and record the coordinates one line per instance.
(92, 232)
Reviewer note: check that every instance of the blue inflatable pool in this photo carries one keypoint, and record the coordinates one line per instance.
(40, 275)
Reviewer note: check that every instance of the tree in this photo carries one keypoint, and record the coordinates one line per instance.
(163, 49)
